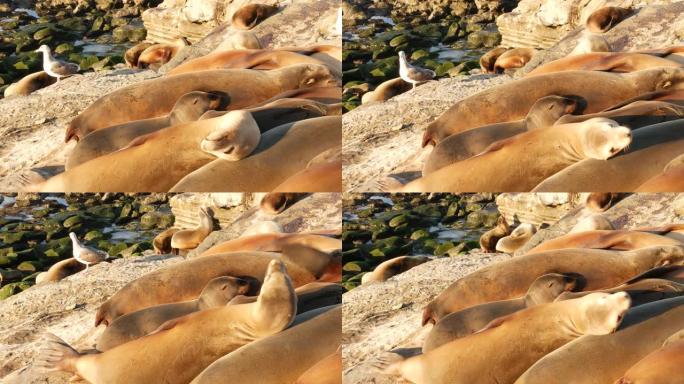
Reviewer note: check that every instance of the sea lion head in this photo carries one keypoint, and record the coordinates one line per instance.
(156, 55)
(547, 288)
(545, 111)
(276, 202)
(317, 75)
(668, 78)
(235, 136)
(192, 105)
(518, 237)
(604, 138)
(601, 313)
(668, 255)
(219, 291)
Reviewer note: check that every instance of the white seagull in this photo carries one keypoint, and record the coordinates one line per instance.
(412, 74)
(84, 254)
(57, 68)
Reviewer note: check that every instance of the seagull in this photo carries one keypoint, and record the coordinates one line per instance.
(56, 68)
(86, 255)
(412, 74)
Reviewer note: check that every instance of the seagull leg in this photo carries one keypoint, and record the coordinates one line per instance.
(414, 86)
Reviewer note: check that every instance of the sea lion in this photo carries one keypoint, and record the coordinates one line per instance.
(248, 16)
(635, 115)
(274, 203)
(326, 371)
(604, 359)
(651, 149)
(152, 163)
(670, 180)
(289, 354)
(601, 201)
(156, 97)
(157, 55)
(641, 291)
(488, 60)
(603, 19)
(179, 285)
(217, 293)
(604, 61)
(623, 240)
(514, 58)
(544, 289)
(266, 168)
(560, 146)
(274, 242)
(189, 107)
(29, 84)
(591, 223)
(162, 242)
(590, 42)
(393, 267)
(327, 95)
(510, 278)
(186, 239)
(233, 142)
(511, 344)
(663, 366)
(132, 54)
(310, 297)
(386, 90)
(489, 239)
(210, 334)
(582, 84)
(60, 270)
(543, 113)
(322, 177)
(519, 237)
(239, 40)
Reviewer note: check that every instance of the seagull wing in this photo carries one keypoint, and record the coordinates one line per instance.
(64, 68)
(420, 74)
(92, 255)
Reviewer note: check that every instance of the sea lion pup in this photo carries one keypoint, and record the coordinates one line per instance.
(132, 54)
(326, 95)
(239, 40)
(544, 289)
(514, 58)
(265, 168)
(152, 163)
(29, 84)
(670, 180)
(509, 345)
(603, 19)
(210, 334)
(519, 237)
(187, 239)
(162, 242)
(604, 61)
(262, 59)
(651, 149)
(189, 107)
(305, 265)
(580, 84)
(590, 42)
(641, 291)
(488, 60)
(274, 242)
(623, 240)
(489, 239)
(321, 177)
(393, 267)
(559, 145)
(217, 293)
(274, 203)
(511, 278)
(662, 366)
(313, 336)
(60, 270)
(326, 371)
(604, 359)
(386, 90)
(543, 113)
(248, 16)
(156, 97)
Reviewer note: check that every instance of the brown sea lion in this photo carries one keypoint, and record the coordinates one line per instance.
(326, 371)
(514, 58)
(461, 116)
(178, 285)
(156, 97)
(604, 359)
(60, 270)
(274, 203)
(489, 239)
(604, 61)
(651, 149)
(266, 167)
(322, 177)
(386, 90)
(623, 240)
(157, 55)
(635, 115)
(210, 334)
(29, 84)
(310, 297)
(488, 60)
(274, 242)
(132, 54)
(327, 95)
(217, 293)
(544, 112)
(511, 278)
(663, 366)
(288, 354)
(641, 291)
(544, 289)
(603, 19)
(601, 201)
(187, 239)
(189, 107)
(393, 267)
(509, 345)
(670, 180)
(248, 16)
(523, 161)
(518, 237)
(162, 242)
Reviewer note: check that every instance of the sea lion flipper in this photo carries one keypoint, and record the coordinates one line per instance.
(494, 323)
(166, 326)
(309, 258)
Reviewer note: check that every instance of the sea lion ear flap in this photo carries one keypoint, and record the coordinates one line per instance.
(311, 259)
(494, 323)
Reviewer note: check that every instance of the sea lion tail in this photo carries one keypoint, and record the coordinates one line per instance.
(55, 355)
